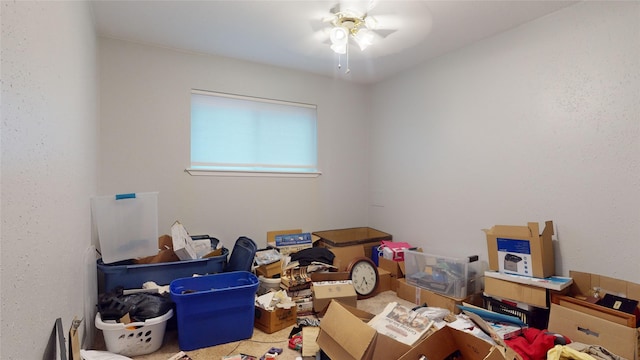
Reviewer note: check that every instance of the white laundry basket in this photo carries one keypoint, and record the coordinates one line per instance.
(133, 339)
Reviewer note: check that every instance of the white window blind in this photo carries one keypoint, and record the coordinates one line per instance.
(232, 133)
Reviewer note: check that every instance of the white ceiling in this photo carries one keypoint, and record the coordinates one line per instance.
(290, 33)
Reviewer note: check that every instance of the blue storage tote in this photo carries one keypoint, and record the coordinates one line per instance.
(132, 276)
(214, 309)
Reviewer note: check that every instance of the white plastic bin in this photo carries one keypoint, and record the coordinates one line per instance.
(127, 225)
(133, 339)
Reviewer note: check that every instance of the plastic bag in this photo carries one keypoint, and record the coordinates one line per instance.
(140, 306)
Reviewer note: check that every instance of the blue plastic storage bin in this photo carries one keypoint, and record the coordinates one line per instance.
(214, 309)
(132, 276)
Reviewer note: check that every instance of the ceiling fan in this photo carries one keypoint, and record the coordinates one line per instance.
(353, 21)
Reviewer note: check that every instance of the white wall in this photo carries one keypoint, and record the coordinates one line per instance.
(49, 153)
(538, 123)
(145, 109)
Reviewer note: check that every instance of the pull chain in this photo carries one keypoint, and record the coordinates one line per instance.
(348, 68)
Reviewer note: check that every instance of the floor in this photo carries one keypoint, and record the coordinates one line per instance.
(259, 343)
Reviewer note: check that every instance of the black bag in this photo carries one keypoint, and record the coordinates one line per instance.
(140, 306)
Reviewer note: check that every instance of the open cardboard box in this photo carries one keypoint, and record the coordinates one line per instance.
(270, 270)
(520, 245)
(421, 296)
(581, 321)
(272, 321)
(362, 236)
(345, 335)
(447, 340)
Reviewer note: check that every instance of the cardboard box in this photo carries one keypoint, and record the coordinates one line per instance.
(325, 291)
(529, 294)
(578, 326)
(344, 255)
(584, 283)
(447, 340)
(384, 280)
(395, 268)
(588, 325)
(289, 249)
(271, 235)
(309, 346)
(421, 296)
(345, 335)
(521, 250)
(272, 321)
(318, 276)
(365, 236)
(270, 270)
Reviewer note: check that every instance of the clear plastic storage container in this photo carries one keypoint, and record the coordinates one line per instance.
(127, 225)
(454, 277)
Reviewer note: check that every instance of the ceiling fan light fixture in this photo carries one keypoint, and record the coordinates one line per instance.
(351, 26)
(370, 23)
(363, 38)
(339, 36)
(339, 49)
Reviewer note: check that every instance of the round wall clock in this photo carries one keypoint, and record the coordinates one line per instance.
(364, 275)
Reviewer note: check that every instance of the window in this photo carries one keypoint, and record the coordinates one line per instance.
(232, 134)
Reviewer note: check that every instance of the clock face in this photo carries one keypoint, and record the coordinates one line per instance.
(364, 275)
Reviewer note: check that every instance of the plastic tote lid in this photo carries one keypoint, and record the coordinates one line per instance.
(127, 225)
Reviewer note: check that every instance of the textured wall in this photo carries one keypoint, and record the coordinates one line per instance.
(539, 123)
(145, 109)
(49, 152)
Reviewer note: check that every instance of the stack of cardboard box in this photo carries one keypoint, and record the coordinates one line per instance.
(517, 256)
(522, 282)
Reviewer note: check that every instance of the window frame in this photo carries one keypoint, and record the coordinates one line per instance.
(250, 173)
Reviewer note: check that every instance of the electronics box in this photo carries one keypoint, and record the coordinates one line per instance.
(291, 247)
(521, 250)
(214, 309)
(454, 277)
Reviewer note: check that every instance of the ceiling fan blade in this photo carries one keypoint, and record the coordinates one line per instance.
(387, 22)
(320, 24)
(383, 33)
(372, 4)
(335, 9)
